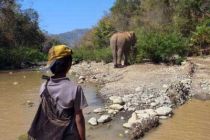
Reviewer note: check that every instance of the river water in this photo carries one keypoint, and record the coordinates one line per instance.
(190, 122)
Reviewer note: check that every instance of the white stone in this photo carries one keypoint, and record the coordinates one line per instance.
(80, 82)
(150, 112)
(132, 120)
(104, 119)
(122, 118)
(116, 107)
(82, 78)
(165, 86)
(93, 121)
(15, 83)
(131, 108)
(153, 104)
(138, 89)
(163, 117)
(126, 131)
(99, 110)
(116, 100)
(163, 111)
(111, 111)
(10, 72)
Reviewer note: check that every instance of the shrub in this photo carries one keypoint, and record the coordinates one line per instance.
(15, 57)
(96, 54)
(160, 46)
(200, 39)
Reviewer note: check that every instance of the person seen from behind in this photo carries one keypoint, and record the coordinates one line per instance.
(60, 115)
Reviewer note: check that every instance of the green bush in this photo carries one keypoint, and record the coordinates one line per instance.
(160, 46)
(96, 54)
(15, 57)
(200, 39)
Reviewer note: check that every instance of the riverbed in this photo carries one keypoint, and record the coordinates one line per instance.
(17, 89)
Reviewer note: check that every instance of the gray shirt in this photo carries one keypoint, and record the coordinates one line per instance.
(66, 94)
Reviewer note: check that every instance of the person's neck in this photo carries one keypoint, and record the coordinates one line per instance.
(59, 76)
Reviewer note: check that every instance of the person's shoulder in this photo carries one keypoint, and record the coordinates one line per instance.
(72, 84)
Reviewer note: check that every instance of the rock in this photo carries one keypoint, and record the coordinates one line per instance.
(29, 103)
(122, 118)
(92, 121)
(163, 117)
(163, 111)
(138, 89)
(111, 111)
(80, 81)
(93, 77)
(82, 78)
(132, 120)
(153, 104)
(24, 77)
(15, 83)
(116, 100)
(104, 119)
(184, 62)
(126, 132)
(150, 112)
(131, 109)
(10, 73)
(99, 110)
(165, 86)
(121, 135)
(116, 107)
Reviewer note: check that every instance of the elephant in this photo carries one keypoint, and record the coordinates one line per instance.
(121, 44)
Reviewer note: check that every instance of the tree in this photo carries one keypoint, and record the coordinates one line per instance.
(103, 32)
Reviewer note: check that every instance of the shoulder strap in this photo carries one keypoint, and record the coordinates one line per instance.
(46, 92)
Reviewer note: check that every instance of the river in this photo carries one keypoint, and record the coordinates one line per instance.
(190, 122)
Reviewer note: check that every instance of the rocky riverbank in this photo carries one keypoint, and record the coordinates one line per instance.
(146, 93)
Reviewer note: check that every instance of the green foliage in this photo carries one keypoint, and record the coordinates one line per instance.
(201, 37)
(19, 28)
(102, 33)
(16, 57)
(100, 54)
(160, 46)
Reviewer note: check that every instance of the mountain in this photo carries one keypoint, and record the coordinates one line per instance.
(71, 38)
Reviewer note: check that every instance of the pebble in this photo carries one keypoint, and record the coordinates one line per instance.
(163, 111)
(82, 78)
(116, 107)
(116, 100)
(15, 83)
(99, 110)
(104, 119)
(92, 121)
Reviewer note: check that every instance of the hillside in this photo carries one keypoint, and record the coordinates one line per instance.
(71, 37)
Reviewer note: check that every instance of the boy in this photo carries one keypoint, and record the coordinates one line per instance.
(63, 107)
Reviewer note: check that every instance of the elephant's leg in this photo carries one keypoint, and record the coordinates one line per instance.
(114, 55)
(119, 56)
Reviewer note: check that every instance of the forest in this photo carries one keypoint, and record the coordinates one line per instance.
(167, 30)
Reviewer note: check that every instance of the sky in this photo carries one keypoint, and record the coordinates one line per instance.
(59, 16)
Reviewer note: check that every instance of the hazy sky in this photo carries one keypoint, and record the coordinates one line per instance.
(58, 16)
